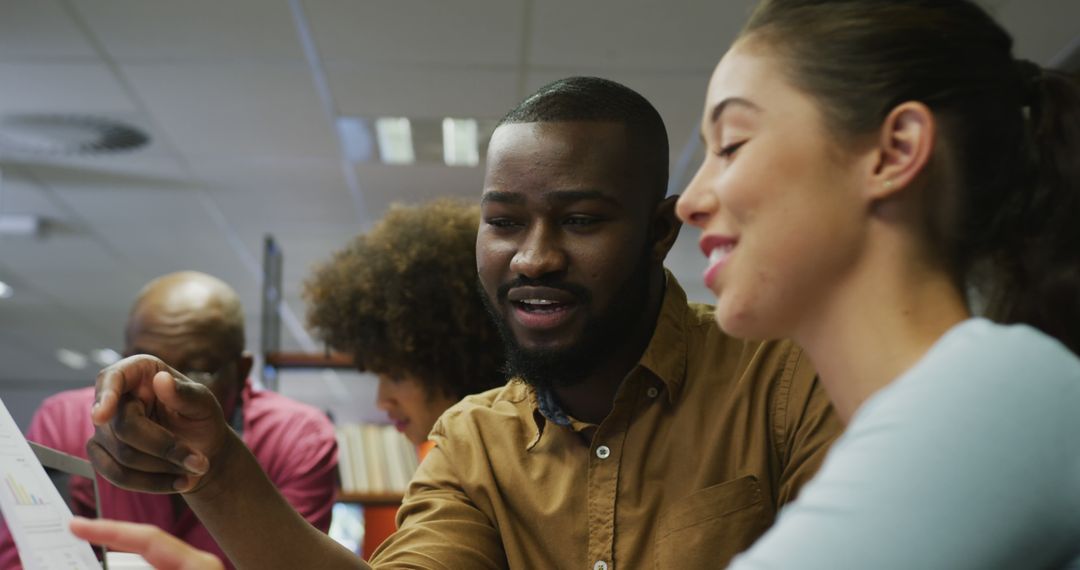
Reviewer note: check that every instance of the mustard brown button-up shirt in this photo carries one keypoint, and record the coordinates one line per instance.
(708, 437)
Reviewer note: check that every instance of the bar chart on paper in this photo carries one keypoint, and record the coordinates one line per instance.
(36, 515)
(23, 498)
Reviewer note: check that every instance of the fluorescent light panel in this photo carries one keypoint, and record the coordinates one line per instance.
(460, 145)
(6, 291)
(71, 358)
(105, 356)
(395, 140)
(21, 225)
(356, 140)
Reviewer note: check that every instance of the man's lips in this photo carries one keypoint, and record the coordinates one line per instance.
(550, 294)
(718, 249)
(541, 308)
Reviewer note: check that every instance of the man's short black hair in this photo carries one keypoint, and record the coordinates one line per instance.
(603, 100)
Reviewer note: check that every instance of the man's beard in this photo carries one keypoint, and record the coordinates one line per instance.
(602, 335)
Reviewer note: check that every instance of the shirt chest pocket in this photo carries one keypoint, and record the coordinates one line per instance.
(707, 528)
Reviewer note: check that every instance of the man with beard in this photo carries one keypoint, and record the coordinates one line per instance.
(635, 433)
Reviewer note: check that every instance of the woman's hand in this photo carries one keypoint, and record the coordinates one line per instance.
(162, 550)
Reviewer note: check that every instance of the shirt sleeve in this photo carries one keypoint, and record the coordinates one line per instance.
(309, 481)
(807, 426)
(9, 556)
(973, 466)
(439, 527)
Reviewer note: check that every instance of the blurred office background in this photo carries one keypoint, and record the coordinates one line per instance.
(303, 120)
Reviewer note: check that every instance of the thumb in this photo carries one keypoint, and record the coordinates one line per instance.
(188, 399)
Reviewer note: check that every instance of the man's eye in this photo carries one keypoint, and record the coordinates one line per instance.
(581, 221)
(501, 222)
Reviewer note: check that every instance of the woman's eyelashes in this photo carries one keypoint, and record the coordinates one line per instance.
(728, 151)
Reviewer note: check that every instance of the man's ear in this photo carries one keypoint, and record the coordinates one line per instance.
(905, 144)
(664, 230)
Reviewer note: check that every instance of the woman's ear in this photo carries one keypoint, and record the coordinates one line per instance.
(905, 144)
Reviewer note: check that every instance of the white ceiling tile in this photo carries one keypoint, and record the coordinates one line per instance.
(235, 110)
(418, 183)
(39, 29)
(136, 171)
(265, 194)
(136, 30)
(69, 271)
(422, 92)
(21, 196)
(638, 34)
(460, 33)
(61, 88)
(33, 359)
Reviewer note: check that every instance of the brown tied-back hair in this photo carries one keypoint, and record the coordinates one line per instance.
(402, 299)
(1002, 211)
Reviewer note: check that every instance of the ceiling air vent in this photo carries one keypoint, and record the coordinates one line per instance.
(58, 135)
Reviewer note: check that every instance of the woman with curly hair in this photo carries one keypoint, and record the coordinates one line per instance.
(402, 300)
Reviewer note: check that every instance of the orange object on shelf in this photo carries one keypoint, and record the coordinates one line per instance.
(380, 519)
(379, 524)
(423, 449)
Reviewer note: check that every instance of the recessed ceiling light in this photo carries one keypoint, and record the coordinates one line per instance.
(460, 142)
(71, 358)
(395, 140)
(67, 134)
(356, 141)
(6, 291)
(20, 225)
(105, 356)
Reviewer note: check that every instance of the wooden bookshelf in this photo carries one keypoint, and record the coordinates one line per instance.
(309, 360)
(370, 498)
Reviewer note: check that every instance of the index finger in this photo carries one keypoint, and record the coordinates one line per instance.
(134, 375)
(160, 549)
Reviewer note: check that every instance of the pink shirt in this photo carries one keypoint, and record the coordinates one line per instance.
(293, 442)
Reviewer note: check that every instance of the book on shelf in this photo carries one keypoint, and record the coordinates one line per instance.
(357, 477)
(374, 459)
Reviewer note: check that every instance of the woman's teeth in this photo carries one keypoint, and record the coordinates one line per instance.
(718, 253)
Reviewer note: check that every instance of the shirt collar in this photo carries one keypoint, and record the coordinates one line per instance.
(664, 357)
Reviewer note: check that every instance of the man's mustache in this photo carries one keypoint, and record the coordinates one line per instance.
(582, 294)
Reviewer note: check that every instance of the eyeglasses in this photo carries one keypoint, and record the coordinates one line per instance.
(205, 378)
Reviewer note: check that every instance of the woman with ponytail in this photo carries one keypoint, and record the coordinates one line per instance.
(888, 186)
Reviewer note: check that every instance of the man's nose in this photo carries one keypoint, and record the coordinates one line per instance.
(540, 253)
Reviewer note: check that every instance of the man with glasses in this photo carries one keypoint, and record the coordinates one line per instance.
(195, 323)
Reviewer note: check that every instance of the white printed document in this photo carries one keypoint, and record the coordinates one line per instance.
(35, 513)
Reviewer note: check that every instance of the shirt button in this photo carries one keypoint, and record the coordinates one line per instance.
(652, 392)
(600, 565)
(603, 452)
